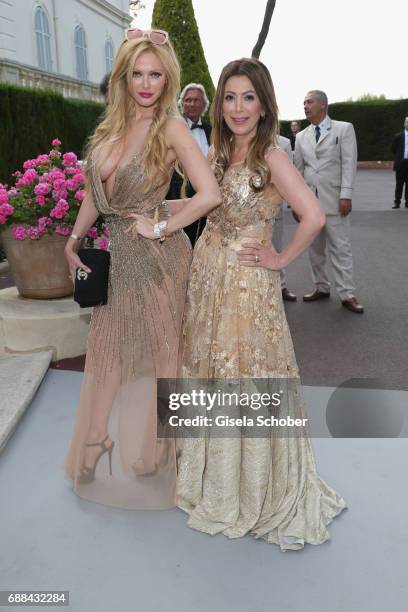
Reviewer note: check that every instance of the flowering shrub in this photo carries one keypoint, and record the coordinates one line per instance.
(46, 197)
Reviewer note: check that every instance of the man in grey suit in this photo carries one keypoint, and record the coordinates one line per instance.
(277, 236)
(326, 155)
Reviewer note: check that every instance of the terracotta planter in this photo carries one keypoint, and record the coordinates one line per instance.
(39, 268)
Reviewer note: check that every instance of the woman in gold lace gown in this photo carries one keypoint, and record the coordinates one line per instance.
(235, 327)
(116, 457)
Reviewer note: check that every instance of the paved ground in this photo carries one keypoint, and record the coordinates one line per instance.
(333, 345)
(113, 560)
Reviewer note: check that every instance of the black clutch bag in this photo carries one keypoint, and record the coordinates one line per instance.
(91, 288)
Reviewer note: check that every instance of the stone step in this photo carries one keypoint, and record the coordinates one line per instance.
(20, 377)
(60, 325)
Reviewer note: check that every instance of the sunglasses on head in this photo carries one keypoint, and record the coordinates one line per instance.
(157, 37)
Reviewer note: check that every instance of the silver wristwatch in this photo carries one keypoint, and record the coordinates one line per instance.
(159, 228)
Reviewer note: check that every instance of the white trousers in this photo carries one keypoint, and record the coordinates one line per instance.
(334, 241)
(277, 240)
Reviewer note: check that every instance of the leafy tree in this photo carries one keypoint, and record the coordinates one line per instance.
(135, 6)
(369, 97)
(177, 18)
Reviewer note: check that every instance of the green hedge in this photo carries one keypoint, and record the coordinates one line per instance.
(375, 123)
(31, 118)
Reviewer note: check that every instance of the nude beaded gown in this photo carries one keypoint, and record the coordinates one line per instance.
(132, 341)
(235, 327)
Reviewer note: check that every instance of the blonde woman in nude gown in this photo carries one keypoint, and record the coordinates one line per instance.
(116, 457)
(235, 327)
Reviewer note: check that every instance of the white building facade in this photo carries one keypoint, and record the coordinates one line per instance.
(65, 45)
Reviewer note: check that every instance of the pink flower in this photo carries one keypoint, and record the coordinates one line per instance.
(80, 195)
(6, 210)
(56, 173)
(2, 220)
(92, 233)
(19, 232)
(53, 154)
(58, 183)
(103, 243)
(59, 194)
(68, 159)
(63, 204)
(70, 184)
(33, 233)
(28, 177)
(29, 163)
(79, 177)
(63, 230)
(12, 192)
(30, 174)
(42, 189)
(56, 213)
(4, 196)
(106, 231)
(70, 170)
(60, 209)
(43, 223)
(40, 200)
(17, 174)
(56, 142)
(42, 159)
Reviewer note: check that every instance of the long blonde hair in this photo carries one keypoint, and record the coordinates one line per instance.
(268, 126)
(120, 108)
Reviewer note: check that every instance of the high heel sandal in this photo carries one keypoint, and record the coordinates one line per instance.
(87, 474)
(141, 469)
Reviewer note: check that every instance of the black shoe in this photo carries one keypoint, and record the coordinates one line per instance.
(288, 296)
(396, 205)
(353, 305)
(316, 295)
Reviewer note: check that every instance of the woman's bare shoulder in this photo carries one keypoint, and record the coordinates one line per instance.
(174, 124)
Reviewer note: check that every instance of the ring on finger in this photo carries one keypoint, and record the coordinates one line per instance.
(256, 258)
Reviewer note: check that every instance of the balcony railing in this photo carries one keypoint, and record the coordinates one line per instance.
(29, 76)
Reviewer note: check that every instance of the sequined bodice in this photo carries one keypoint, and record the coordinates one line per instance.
(128, 195)
(243, 212)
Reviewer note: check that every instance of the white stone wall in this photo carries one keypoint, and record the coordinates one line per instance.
(99, 18)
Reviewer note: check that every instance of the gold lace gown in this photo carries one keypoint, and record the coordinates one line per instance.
(235, 327)
(132, 340)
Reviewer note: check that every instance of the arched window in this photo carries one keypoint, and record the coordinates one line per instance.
(43, 39)
(80, 53)
(109, 55)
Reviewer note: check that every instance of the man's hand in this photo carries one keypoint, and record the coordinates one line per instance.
(344, 207)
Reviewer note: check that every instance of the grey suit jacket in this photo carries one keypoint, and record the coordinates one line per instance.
(284, 144)
(329, 167)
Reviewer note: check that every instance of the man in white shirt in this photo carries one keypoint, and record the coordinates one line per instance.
(400, 150)
(193, 103)
(326, 155)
